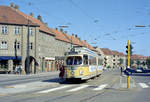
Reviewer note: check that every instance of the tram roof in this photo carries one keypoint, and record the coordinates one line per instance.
(81, 50)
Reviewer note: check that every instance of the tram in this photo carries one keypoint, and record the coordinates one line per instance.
(82, 63)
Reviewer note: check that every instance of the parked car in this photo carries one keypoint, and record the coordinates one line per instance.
(139, 70)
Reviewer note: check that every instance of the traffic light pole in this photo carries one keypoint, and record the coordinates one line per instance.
(128, 53)
(128, 77)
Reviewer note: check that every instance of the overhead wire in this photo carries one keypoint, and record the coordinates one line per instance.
(83, 11)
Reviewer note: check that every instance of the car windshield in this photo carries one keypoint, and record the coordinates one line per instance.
(74, 60)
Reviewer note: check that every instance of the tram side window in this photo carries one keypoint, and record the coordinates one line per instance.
(85, 59)
(100, 62)
(69, 61)
(77, 60)
(92, 60)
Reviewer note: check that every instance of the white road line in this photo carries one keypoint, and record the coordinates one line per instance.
(100, 87)
(78, 88)
(54, 89)
(143, 85)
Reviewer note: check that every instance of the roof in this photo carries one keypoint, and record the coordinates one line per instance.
(10, 15)
(87, 45)
(106, 51)
(60, 36)
(74, 40)
(138, 57)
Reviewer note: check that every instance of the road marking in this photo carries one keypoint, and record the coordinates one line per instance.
(54, 89)
(78, 88)
(143, 85)
(100, 87)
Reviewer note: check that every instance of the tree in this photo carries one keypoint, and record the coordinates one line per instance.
(148, 62)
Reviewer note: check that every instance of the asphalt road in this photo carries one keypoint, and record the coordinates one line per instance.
(100, 89)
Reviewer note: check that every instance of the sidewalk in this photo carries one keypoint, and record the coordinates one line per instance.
(37, 74)
(6, 77)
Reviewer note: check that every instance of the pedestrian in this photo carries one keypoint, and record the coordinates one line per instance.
(121, 69)
(62, 71)
(17, 69)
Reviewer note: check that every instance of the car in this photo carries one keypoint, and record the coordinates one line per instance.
(139, 70)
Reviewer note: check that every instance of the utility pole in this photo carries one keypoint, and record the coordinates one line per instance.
(28, 50)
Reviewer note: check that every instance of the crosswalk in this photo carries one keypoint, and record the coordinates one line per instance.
(74, 88)
(144, 85)
(70, 88)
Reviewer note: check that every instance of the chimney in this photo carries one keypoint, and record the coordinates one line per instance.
(65, 32)
(16, 7)
(76, 35)
(72, 34)
(56, 28)
(12, 5)
(61, 30)
(39, 18)
(31, 14)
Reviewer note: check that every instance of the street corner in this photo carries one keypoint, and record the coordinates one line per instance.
(125, 83)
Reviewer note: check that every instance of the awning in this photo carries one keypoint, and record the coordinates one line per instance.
(10, 57)
(49, 58)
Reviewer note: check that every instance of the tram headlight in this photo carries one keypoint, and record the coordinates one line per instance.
(81, 72)
(72, 72)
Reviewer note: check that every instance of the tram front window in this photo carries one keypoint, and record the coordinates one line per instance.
(75, 60)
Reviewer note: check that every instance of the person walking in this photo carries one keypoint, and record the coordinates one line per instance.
(121, 69)
(62, 71)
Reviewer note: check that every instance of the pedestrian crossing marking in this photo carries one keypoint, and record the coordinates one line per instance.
(100, 87)
(143, 85)
(78, 88)
(54, 89)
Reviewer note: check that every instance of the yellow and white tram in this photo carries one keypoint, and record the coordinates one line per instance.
(82, 63)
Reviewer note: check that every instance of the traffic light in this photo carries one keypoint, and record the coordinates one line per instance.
(129, 48)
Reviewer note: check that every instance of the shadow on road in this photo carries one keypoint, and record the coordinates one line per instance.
(63, 81)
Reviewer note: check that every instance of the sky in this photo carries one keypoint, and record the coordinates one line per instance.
(103, 23)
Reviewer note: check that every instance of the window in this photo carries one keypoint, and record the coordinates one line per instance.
(85, 59)
(31, 46)
(92, 60)
(4, 30)
(17, 30)
(4, 45)
(30, 31)
(74, 60)
(100, 61)
(17, 45)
